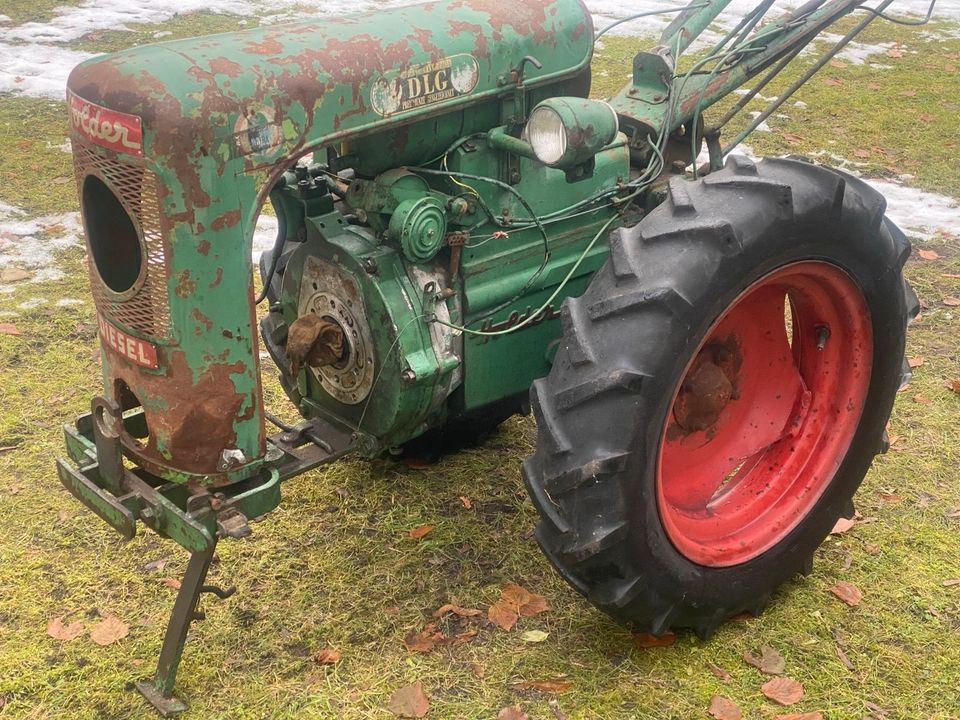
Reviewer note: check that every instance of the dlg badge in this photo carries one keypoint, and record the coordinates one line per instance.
(420, 85)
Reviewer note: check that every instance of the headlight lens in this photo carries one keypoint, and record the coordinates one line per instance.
(547, 135)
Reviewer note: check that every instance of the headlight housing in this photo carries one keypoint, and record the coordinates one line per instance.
(565, 132)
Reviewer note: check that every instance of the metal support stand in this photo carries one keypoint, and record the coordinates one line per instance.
(159, 690)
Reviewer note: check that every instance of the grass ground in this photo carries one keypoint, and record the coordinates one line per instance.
(334, 566)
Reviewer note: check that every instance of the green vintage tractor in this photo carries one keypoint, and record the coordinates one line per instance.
(710, 346)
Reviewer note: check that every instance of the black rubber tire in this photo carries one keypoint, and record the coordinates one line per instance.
(626, 343)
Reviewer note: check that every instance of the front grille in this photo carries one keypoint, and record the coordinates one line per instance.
(147, 309)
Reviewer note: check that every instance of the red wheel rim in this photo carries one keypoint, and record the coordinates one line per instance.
(764, 414)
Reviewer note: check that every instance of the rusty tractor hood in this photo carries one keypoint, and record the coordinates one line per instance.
(271, 91)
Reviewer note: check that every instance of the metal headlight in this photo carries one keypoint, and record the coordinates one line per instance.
(565, 132)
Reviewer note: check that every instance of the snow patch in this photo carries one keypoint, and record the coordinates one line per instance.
(69, 302)
(32, 303)
(265, 236)
(37, 70)
(21, 245)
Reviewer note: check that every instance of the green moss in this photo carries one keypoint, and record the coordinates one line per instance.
(37, 172)
(181, 25)
(21, 11)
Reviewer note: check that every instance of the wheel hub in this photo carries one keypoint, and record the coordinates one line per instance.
(764, 413)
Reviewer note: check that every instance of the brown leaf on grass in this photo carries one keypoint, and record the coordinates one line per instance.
(792, 139)
(908, 93)
(833, 82)
(503, 616)
(848, 592)
(839, 64)
(770, 661)
(423, 641)
(916, 362)
(800, 716)
(929, 254)
(719, 672)
(419, 532)
(724, 709)
(951, 583)
(9, 329)
(515, 602)
(890, 497)
(548, 686)
(410, 701)
(512, 712)
(951, 301)
(466, 502)
(842, 656)
(861, 153)
(954, 385)
(478, 670)
(171, 583)
(895, 52)
(951, 276)
(784, 691)
(14, 489)
(456, 610)
(925, 117)
(12, 275)
(646, 640)
(58, 631)
(874, 86)
(842, 526)
(109, 630)
(921, 399)
(327, 656)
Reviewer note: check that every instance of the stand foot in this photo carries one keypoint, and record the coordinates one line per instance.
(167, 706)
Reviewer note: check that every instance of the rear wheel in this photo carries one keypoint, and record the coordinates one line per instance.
(719, 393)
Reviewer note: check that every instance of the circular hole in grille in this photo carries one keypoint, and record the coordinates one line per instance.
(114, 242)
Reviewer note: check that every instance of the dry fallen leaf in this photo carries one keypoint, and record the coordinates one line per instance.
(861, 153)
(466, 502)
(840, 64)
(646, 640)
(848, 592)
(327, 656)
(456, 610)
(58, 631)
(171, 583)
(951, 583)
(12, 275)
(551, 686)
(512, 712)
(874, 86)
(842, 525)
(951, 301)
(423, 641)
(515, 602)
(723, 709)
(109, 630)
(409, 702)
(783, 690)
(833, 82)
(503, 616)
(419, 532)
(719, 672)
(929, 254)
(925, 117)
(954, 385)
(770, 661)
(534, 636)
(916, 362)
(9, 329)
(842, 656)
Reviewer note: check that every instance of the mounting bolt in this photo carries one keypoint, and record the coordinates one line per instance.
(369, 265)
(822, 335)
(408, 376)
